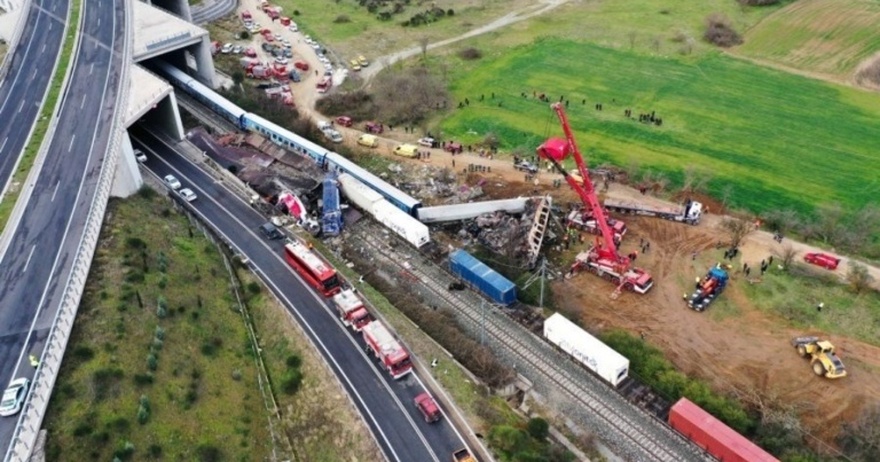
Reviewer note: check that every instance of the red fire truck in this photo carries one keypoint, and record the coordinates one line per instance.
(351, 310)
(317, 272)
(386, 348)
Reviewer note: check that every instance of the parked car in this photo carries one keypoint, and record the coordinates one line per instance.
(822, 259)
(285, 42)
(288, 54)
(187, 194)
(526, 166)
(281, 60)
(374, 127)
(140, 156)
(267, 47)
(427, 142)
(250, 52)
(227, 48)
(370, 141)
(344, 121)
(454, 148)
(293, 27)
(429, 409)
(237, 49)
(278, 37)
(294, 75)
(13, 397)
(301, 65)
(172, 182)
(355, 66)
(363, 61)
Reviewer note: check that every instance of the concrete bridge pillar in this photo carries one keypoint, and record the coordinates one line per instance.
(178, 7)
(127, 179)
(204, 61)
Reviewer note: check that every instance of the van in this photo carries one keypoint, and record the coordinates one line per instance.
(406, 150)
(369, 141)
(427, 407)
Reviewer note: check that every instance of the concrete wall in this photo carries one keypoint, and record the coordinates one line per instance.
(127, 179)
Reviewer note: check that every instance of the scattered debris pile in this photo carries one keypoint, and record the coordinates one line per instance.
(505, 233)
(433, 185)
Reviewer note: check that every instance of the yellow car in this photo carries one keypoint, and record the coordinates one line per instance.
(355, 65)
(363, 61)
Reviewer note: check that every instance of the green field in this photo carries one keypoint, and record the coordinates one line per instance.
(781, 141)
(827, 36)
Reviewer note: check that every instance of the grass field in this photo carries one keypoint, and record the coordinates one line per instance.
(779, 140)
(827, 36)
(199, 381)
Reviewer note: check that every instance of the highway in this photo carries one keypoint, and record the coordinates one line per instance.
(385, 404)
(36, 266)
(210, 10)
(22, 90)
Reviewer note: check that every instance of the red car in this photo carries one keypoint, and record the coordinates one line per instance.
(374, 127)
(344, 121)
(822, 259)
(426, 405)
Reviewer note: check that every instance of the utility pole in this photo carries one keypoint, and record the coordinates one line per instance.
(543, 276)
(483, 321)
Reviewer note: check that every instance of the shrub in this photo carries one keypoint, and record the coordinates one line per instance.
(135, 242)
(758, 2)
(208, 348)
(253, 287)
(83, 429)
(341, 19)
(236, 375)
(293, 361)
(124, 451)
(152, 362)
(538, 428)
(155, 451)
(470, 54)
(134, 276)
(143, 379)
(291, 382)
(719, 31)
(146, 192)
(160, 333)
(83, 353)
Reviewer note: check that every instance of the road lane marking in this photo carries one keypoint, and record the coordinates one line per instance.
(72, 139)
(20, 106)
(83, 103)
(56, 190)
(34, 75)
(99, 19)
(28, 262)
(4, 143)
(91, 68)
(43, 50)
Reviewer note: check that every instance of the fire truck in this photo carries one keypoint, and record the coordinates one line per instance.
(314, 269)
(351, 310)
(390, 353)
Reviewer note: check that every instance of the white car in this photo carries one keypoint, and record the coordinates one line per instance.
(428, 142)
(187, 194)
(13, 397)
(278, 37)
(285, 42)
(308, 39)
(280, 60)
(227, 48)
(293, 27)
(238, 49)
(140, 156)
(172, 182)
(316, 45)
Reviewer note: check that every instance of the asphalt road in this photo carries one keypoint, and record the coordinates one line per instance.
(37, 264)
(30, 70)
(387, 405)
(210, 10)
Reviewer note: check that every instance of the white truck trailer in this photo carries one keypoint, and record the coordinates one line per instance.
(689, 212)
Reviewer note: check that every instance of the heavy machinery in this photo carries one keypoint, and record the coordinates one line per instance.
(602, 257)
(823, 359)
(708, 288)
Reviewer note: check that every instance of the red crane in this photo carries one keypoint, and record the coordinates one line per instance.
(602, 258)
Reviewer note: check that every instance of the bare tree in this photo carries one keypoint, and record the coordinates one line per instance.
(726, 192)
(632, 35)
(695, 180)
(787, 255)
(781, 220)
(861, 439)
(858, 277)
(864, 224)
(424, 41)
(828, 223)
(737, 230)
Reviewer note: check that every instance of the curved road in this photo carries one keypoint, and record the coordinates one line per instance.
(23, 90)
(37, 264)
(385, 404)
(210, 10)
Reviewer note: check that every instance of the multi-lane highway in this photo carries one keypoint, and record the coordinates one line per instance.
(30, 69)
(37, 263)
(385, 404)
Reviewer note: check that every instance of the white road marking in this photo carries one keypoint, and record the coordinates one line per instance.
(43, 50)
(4, 143)
(20, 106)
(56, 190)
(83, 103)
(91, 68)
(72, 139)
(28, 262)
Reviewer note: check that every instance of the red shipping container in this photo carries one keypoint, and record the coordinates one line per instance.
(711, 434)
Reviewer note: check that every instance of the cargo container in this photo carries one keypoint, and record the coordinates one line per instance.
(689, 212)
(711, 434)
(485, 279)
(358, 193)
(351, 310)
(608, 364)
(405, 226)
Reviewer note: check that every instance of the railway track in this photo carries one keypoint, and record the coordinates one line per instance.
(629, 426)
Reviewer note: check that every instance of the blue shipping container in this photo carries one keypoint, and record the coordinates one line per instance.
(331, 220)
(489, 282)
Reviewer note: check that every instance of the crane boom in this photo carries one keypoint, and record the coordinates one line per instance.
(555, 151)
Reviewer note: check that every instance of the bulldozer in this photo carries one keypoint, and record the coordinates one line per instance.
(823, 359)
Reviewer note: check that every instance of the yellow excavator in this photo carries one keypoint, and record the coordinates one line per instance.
(823, 359)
